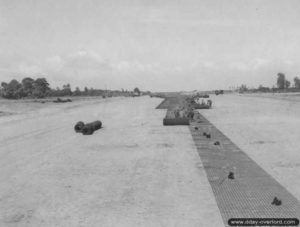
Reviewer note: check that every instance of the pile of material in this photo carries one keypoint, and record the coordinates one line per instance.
(180, 110)
(196, 116)
(78, 127)
(87, 129)
(178, 116)
(202, 96)
(59, 100)
(197, 104)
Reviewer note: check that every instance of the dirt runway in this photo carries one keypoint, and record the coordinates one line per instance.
(133, 172)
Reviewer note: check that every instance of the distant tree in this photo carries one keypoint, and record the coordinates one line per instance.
(281, 84)
(243, 88)
(3, 89)
(4, 84)
(56, 92)
(297, 82)
(27, 84)
(12, 90)
(66, 91)
(86, 91)
(40, 88)
(77, 91)
(91, 92)
(263, 89)
(137, 90)
(287, 84)
(15, 90)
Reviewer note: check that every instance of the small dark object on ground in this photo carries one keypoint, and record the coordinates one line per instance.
(190, 115)
(208, 135)
(219, 92)
(59, 100)
(88, 129)
(204, 134)
(276, 201)
(231, 175)
(209, 102)
(78, 127)
(196, 128)
(217, 143)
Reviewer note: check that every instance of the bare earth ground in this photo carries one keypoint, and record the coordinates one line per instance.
(266, 127)
(133, 172)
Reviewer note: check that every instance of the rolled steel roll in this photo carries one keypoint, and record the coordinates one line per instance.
(89, 128)
(78, 127)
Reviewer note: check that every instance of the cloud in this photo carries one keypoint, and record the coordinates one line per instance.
(88, 68)
(82, 67)
(259, 63)
(136, 67)
(85, 68)
(188, 19)
(204, 66)
(238, 65)
(250, 66)
(54, 63)
(29, 69)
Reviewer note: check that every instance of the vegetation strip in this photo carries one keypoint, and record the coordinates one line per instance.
(241, 187)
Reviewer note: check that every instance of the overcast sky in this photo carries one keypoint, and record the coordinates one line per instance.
(158, 45)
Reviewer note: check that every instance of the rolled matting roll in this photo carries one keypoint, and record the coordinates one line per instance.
(89, 128)
(78, 127)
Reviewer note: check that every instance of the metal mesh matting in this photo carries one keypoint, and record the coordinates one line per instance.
(171, 102)
(251, 192)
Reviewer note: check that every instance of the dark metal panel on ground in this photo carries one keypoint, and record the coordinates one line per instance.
(251, 192)
(176, 121)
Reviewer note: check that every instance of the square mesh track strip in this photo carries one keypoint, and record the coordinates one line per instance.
(251, 192)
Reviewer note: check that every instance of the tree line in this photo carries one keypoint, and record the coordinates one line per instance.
(28, 87)
(40, 88)
(282, 84)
